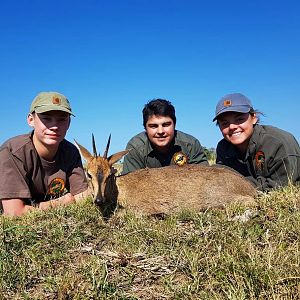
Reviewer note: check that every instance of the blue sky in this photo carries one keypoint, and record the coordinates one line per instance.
(110, 57)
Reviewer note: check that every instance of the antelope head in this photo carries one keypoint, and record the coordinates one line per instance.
(99, 170)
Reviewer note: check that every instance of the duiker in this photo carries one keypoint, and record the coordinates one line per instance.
(162, 191)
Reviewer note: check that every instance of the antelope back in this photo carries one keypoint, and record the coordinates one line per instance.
(171, 189)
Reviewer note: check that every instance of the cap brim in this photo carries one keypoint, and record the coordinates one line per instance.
(43, 109)
(239, 108)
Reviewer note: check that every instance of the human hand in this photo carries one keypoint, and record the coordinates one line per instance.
(66, 199)
(61, 201)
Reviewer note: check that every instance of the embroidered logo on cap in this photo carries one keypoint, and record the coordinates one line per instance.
(227, 103)
(180, 159)
(56, 100)
(260, 160)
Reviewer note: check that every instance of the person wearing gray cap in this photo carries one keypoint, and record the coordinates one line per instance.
(41, 169)
(268, 156)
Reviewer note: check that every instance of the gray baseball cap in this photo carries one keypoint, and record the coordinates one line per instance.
(233, 102)
(47, 101)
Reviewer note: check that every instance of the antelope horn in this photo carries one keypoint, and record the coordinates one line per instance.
(107, 147)
(94, 146)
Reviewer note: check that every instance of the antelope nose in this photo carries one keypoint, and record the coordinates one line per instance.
(98, 201)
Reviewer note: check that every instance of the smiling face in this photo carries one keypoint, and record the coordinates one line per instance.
(237, 128)
(50, 129)
(160, 131)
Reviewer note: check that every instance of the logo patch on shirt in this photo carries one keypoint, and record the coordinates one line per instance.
(56, 188)
(56, 100)
(260, 160)
(180, 158)
(227, 103)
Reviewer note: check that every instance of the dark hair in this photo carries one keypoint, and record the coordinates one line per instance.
(257, 113)
(158, 107)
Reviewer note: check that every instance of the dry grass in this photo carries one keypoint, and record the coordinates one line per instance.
(237, 253)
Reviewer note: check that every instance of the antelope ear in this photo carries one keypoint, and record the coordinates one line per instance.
(84, 152)
(117, 156)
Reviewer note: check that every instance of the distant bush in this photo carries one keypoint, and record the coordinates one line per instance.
(210, 154)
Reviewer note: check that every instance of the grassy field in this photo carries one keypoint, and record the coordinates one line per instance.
(235, 253)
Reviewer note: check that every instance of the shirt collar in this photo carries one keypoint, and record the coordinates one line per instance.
(254, 138)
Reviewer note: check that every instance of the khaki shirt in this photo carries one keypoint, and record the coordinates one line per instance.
(272, 158)
(24, 175)
(142, 155)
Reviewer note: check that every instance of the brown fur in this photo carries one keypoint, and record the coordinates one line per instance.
(164, 190)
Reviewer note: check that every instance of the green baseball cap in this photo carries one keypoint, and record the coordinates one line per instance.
(47, 101)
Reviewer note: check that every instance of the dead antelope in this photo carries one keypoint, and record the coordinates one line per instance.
(162, 190)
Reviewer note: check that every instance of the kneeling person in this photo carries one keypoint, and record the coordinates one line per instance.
(268, 156)
(160, 144)
(41, 169)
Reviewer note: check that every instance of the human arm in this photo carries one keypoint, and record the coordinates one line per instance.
(278, 164)
(272, 173)
(281, 168)
(78, 185)
(133, 160)
(227, 156)
(197, 154)
(18, 207)
(83, 195)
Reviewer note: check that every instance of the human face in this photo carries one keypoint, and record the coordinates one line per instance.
(237, 128)
(160, 131)
(50, 128)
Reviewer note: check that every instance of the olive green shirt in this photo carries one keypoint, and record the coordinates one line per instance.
(272, 159)
(143, 155)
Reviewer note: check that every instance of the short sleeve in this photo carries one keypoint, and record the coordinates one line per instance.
(13, 181)
(197, 154)
(76, 175)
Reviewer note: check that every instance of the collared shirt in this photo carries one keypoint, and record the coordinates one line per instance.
(25, 175)
(272, 158)
(143, 155)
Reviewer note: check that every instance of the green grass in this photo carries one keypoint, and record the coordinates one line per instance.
(71, 253)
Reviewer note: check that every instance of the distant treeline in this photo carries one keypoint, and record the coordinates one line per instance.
(210, 154)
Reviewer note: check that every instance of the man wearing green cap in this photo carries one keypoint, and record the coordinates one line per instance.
(41, 169)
